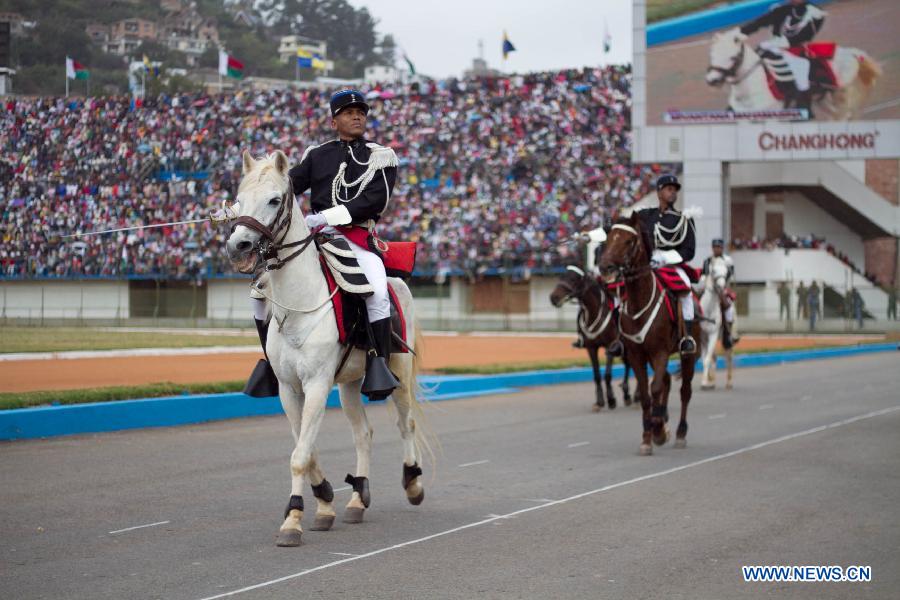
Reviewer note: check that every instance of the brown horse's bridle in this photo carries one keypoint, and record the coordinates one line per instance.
(627, 271)
(267, 246)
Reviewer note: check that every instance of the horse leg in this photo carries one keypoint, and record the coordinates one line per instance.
(643, 394)
(292, 401)
(708, 381)
(687, 376)
(404, 400)
(662, 381)
(607, 379)
(625, 391)
(351, 402)
(303, 459)
(729, 363)
(598, 381)
(324, 495)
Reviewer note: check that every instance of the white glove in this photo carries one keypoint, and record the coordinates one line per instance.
(657, 260)
(226, 213)
(661, 258)
(314, 220)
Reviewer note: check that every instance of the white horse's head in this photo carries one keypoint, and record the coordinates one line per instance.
(717, 277)
(726, 53)
(264, 196)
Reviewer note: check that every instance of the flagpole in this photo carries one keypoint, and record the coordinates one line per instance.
(67, 85)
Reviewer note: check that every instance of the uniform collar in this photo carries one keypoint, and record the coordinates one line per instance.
(354, 143)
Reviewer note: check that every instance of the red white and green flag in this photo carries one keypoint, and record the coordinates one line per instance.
(75, 70)
(230, 66)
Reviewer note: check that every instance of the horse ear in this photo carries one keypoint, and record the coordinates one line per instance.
(248, 162)
(740, 37)
(281, 162)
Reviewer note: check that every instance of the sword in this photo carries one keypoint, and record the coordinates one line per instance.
(155, 225)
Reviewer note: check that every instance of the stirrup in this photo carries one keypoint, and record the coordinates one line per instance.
(616, 348)
(687, 345)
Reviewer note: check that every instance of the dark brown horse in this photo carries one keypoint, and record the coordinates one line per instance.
(596, 325)
(649, 334)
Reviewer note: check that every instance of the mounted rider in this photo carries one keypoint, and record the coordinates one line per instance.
(350, 181)
(729, 332)
(672, 235)
(793, 25)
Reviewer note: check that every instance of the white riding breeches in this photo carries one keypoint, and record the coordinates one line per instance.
(687, 299)
(260, 308)
(798, 65)
(729, 314)
(378, 305)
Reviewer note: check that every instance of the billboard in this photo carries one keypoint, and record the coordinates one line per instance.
(752, 61)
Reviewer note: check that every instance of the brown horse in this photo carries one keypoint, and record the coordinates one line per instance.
(649, 334)
(596, 325)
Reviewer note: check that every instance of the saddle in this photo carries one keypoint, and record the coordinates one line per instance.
(349, 287)
(822, 77)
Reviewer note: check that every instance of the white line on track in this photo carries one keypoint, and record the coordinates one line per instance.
(717, 416)
(472, 464)
(139, 527)
(343, 554)
(697, 463)
(541, 500)
(576, 444)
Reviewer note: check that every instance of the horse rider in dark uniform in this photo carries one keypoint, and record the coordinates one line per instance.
(350, 181)
(793, 24)
(672, 236)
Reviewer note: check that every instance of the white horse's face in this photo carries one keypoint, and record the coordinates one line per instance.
(725, 55)
(718, 273)
(263, 189)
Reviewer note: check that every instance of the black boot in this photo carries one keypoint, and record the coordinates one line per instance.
(727, 340)
(687, 345)
(262, 382)
(379, 381)
(804, 100)
(578, 343)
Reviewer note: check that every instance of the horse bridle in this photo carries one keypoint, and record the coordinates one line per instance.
(267, 247)
(573, 292)
(626, 271)
(737, 60)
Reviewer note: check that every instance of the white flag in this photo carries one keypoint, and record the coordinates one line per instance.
(70, 68)
(223, 63)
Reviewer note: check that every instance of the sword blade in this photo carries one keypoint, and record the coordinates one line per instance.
(155, 225)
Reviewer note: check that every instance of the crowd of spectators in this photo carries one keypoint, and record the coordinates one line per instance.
(808, 242)
(495, 173)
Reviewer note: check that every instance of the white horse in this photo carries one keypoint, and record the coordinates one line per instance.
(304, 351)
(712, 323)
(732, 60)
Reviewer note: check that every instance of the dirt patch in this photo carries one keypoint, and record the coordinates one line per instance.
(441, 351)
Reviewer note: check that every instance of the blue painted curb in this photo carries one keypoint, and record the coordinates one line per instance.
(713, 19)
(48, 421)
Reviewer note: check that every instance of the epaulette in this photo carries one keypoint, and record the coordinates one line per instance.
(381, 156)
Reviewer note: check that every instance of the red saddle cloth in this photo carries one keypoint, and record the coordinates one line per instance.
(399, 257)
(347, 313)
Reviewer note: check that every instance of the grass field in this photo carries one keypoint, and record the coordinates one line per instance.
(60, 339)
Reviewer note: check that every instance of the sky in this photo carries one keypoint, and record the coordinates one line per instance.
(441, 37)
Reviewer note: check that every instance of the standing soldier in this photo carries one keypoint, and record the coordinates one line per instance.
(802, 302)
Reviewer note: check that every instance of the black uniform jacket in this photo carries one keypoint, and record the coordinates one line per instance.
(651, 216)
(317, 171)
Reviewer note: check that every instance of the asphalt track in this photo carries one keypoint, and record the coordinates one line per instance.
(534, 497)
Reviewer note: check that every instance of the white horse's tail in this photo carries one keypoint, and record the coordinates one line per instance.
(425, 439)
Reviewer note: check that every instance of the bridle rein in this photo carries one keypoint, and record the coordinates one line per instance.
(629, 273)
(268, 246)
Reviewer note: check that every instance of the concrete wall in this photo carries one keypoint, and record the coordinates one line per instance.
(87, 299)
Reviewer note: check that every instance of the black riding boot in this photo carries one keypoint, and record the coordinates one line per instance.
(262, 382)
(727, 341)
(687, 345)
(804, 100)
(379, 381)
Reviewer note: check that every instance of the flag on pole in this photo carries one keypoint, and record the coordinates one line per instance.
(409, 63)
(304, 58)
(230, 66)
(507, 46)
(75, 70)
(317, 61)
(607, 39)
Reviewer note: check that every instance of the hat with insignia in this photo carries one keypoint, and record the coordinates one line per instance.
(344, 98)
(718, 242)
(667, 179)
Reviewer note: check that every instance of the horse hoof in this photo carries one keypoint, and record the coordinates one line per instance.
(661, 438)
(708, 386)
(681, 443)
(627, 401)
(645, 450)
(417, 500)
(729, 386)
(612, 405)
(288, 539)
(596, 408)
(353, 515)
(322, 523)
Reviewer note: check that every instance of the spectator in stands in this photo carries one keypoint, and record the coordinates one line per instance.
(494, 173)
